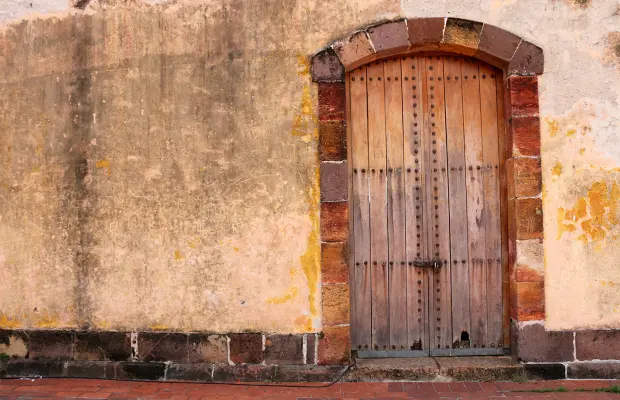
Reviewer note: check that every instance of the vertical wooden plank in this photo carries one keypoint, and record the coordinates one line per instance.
(378, 205)
(501, 129)
(416, 238)
(458, 201)
(396, 205)
(475, 201)
(351, 243)
(437, 206)
(361, 209)
(488, 108)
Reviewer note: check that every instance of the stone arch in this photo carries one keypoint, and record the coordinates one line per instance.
(521, 62)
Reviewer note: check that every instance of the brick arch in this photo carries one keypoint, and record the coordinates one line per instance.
(521, 62)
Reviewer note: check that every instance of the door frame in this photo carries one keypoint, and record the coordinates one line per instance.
(521, 63)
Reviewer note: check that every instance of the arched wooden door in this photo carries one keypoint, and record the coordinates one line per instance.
(426, 207)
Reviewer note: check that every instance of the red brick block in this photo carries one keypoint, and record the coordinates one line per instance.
(335, 222)
(523, 95)
(332, 100)
(335, 304)
(523, 273)
(525, 218)
(332, 141)
(334, 262)
(523, 177)
(334, 345)
(527, 301)
(525, 135)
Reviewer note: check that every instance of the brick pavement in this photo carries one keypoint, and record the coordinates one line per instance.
(108, 389)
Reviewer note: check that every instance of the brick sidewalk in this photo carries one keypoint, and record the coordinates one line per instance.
(107, 389)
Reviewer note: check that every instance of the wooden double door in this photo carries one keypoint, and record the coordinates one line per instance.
(426, 201)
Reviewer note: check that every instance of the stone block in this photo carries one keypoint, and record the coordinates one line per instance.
(527, 300)
(425, 33)
(334, 221)
(244, 373)
(545, 371)
(534, 344)
(355, 50)
(307, 373)
(461, 36)
(13, 343)
(34, 368)
(205, 348)
(311, 339)
(86, 369)
(389, 37)
(529, 263)
(496, 45)
(50, 345)
(594, 370)
(334, 262)
(152, 371)
(326, 67)
(161, 346)
(523, 96)
(332, 101)
(99, 346)
(597, 345)
(199, 372)
(332, 141)
(527, 60)
(334, 181)
(524, 177)
(525, 218)
(525, 137)
(334, 345)
(246, 348)
(335, 304)
(284, 349)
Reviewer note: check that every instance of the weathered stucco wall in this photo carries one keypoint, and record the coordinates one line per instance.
(159, 165)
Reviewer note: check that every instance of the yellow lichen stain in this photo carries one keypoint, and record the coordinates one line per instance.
(292, 272)
(47, 320)
(236, 249)
(305, 119)
(311, 259)
(304, 322)
(582, 150)
(290, 294)
(105, 164)
(159, 327)
(8, 322)
(191, 245)
(556, 170)
(178, 256)
(596, 213)
(552, 126)
(571, 132)
(303, 66)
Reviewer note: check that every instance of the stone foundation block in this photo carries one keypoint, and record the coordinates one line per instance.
(205, 348)
(246, 348)
(199, 372)
(153, 371)
(284, 349)
(244, 373)
(34, 368)
(594, 370)
(334, 345)
(311, 339)
(98, 346)
(50, 345)
(159, 346)
(533, 344)
(545, 371)
(87, 369)
(597, 345)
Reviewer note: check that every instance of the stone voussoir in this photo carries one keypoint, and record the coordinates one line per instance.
(527, 60)
(326, 67)
(497, 46)
(461, 36)
(354, 50)
(390, 37)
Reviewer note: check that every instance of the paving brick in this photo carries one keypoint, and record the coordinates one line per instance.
(161, 346)
(355, 50)
(50, 345)
(389, 37)
(335, 304)
(534, 344)
(334, 345)
(332, 100)
(96, 346)
(207, 348)
(332, 141)
(246, 348)
(284, 349)
(598, 345)
(311, 339)
(334, 221)
(527, 60)
(326, 67)
(425, 33)
(497, 46)
(524, 177)
(334, 178)
(461, 36)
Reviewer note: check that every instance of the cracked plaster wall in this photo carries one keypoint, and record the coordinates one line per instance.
(159, 159)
